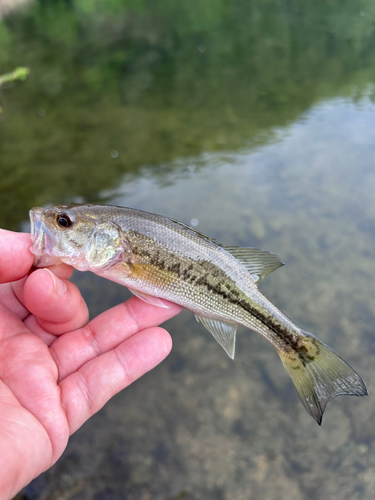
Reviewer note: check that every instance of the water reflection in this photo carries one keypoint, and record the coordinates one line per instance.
(130, 78)
(266, 139)
(9, 6)
(221, 429)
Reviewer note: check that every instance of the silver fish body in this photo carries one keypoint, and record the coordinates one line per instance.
(157, 257)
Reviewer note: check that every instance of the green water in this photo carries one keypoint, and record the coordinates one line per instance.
(257, 119)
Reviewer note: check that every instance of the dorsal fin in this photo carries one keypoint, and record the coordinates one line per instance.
(193, 230)
(258, 262)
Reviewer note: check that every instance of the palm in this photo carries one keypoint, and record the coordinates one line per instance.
(56, 369)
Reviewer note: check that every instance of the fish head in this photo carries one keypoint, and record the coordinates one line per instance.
(69, 234)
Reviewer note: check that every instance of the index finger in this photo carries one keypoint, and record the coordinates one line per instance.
(16, 259)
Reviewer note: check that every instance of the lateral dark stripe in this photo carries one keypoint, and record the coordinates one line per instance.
(191, 272)
(279, 330)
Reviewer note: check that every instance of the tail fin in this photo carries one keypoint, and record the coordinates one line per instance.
(319, 374)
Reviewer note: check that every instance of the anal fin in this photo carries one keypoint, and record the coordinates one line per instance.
(224, 333)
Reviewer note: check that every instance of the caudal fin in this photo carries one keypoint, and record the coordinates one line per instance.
(319, 374)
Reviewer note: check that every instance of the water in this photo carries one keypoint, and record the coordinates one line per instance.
(256, 121)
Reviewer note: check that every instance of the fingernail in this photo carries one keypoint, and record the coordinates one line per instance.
(59, 287)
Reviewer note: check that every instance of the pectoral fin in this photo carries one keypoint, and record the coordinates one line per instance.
(258, 262)
(224, 333)
(150, 299)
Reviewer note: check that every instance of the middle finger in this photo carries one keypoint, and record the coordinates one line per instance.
(107, 331)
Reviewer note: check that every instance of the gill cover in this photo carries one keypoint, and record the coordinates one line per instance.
(106, 247)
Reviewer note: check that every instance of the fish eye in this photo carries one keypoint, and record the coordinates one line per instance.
(63, 221)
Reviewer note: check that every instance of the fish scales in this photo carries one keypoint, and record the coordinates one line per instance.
(170, 275)
(157, 257)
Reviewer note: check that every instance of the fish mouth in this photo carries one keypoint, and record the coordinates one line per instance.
(42, 239)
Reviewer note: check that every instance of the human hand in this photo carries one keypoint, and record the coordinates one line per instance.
(56, 369)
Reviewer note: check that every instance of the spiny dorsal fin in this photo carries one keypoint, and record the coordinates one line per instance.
(193, 230)
(258, 262)
(224, 333)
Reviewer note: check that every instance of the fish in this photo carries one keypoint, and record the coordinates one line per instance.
(160, 259)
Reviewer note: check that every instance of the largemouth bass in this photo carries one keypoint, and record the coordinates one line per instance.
(160, 258)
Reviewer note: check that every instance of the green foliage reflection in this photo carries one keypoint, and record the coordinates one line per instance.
(160, 80)
(17, 74)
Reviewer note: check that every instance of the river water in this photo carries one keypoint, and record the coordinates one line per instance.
(254, 122)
